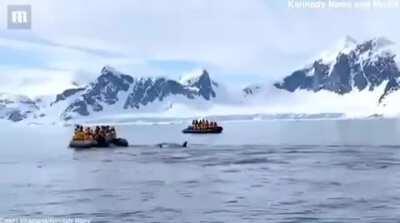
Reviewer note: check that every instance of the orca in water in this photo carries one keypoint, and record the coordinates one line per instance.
(172, 145)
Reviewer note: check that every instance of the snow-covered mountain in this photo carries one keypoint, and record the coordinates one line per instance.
(355, 77)
(116, 91)
(352, 67)
(17, 107)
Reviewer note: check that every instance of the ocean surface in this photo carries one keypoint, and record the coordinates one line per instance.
(256, 171)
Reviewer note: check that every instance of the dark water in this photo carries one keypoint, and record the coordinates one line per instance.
(204, 183)
(210, 184)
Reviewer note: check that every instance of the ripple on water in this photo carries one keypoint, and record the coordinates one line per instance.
(191, 182)
(153, 182)
(256, 185)
(185, 194)
(301, 186)
(246, 161)
(218, 211)
(231, 202)
(8, 163)
(232, 171)
(251, 161)
(85, 190)
(108, 195)
(160, 209)
(128, 214)
(256, 153)
(147, 153)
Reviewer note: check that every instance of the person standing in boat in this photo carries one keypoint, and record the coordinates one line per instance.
(195, 124)
(213, 124)
(79, 134)
(113, 133)
(88, 134)
(97, 135)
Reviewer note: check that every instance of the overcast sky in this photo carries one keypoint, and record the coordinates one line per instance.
(238, 41)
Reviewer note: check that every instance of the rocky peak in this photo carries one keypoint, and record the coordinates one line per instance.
(110, 76)
(349, 42)
(373, 45)
(109, 70)
(113, 86)
(203, 83)
(365, 66)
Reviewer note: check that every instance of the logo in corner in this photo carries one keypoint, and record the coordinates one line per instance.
(19, 16)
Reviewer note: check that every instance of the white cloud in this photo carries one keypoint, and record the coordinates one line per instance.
(34, 82)
(260, 37)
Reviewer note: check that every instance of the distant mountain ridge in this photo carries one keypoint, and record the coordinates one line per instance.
(368, 66)
(113, 87)
(17, 107)
(357, 66)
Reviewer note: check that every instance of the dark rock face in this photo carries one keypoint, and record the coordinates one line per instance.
(16, 107)
(107, 87)
(146, 91)
(79, 107)
(339, 79)
(297, 80)
(364, 67)
(112, 87)
(204, 84)
(251, 90)
(67, 93)
(16, 116)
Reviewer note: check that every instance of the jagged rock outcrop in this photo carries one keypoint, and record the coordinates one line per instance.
(17, 108)
(113, 88)
(357, 66)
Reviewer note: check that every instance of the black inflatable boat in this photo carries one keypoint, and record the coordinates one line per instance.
(214, 130)
(120, 142)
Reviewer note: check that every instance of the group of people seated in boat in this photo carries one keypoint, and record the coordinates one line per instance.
(203, 124)
(99, 133)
